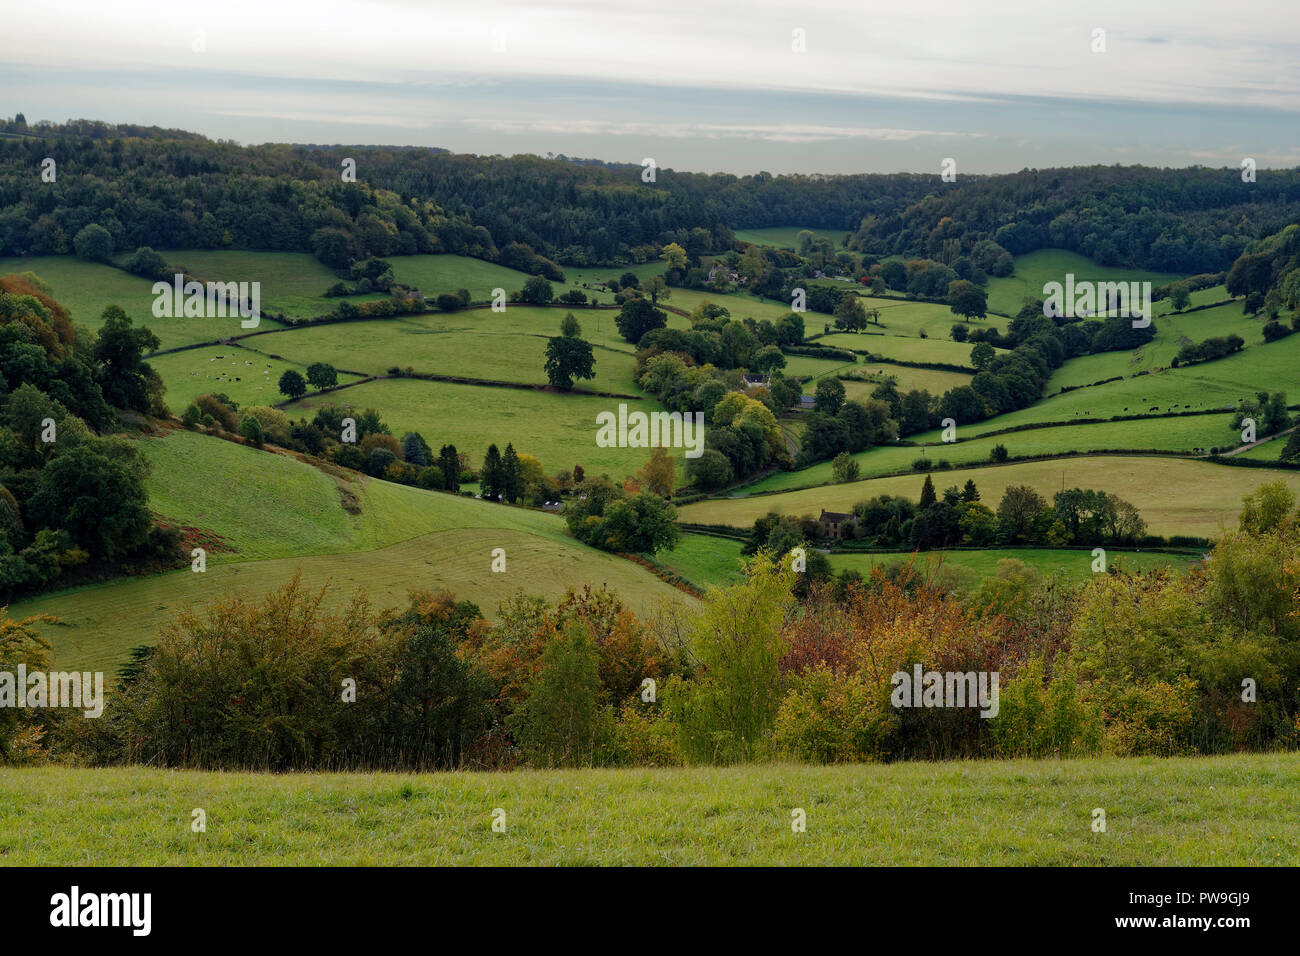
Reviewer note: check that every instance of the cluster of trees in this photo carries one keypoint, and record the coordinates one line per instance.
(73, 504)
(366, 444)
(1013, 379)
(1216, 347)
(837, 426)
(703, 370)
(292, 383)
(741, 435)
(173, 189)
(1148, 664)
(628, 519)
(957, 517)
(1267, 411)
(1268, 274)
(715, 338)
(193, 193)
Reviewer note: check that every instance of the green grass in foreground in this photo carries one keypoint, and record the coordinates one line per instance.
(1235, 810)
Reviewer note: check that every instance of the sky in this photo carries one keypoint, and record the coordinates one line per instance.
(818, 86)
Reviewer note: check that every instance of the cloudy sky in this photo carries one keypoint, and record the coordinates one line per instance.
(811, 86)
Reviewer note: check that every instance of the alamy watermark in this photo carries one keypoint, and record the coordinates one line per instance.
(213, 300)
(37, 689)
(1078, 300)
(651, 430)
(129, 910)
(923, 688)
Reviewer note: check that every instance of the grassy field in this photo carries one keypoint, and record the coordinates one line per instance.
(584, 277)
(1176, 496)
(1218, 384)
(743, 305)
(903, 348)
(905, 379)
(280, 516)
(505, 346)
(436, 274)
(1172, 332)
(248, 377)
(558, 429)
(787, 237)
(1035, 269)
(709, 560)
(705, 560)
(293, 283)
(1233, 810)
(1073, 565)
(1165, 434)
(797, 366)
(85, 289)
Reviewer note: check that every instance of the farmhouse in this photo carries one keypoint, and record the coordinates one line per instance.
(833, 523)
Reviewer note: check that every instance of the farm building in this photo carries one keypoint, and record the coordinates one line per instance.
(833, 523)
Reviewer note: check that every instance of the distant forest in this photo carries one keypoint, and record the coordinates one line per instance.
(172, 189)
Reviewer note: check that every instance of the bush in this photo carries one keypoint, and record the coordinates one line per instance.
(562, 723)
(251, 429)
(829, 717)
(262, 686)
(93, 242)
(145, 262)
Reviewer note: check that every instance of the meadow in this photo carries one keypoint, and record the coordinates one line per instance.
(787, 237)
(705, 559)
(85, 289)
(1035, 269)
(247, 376)
(1175, 811)
(480, 344)
(1173, 331)
(278, 516)
(867, 377)
(559, 429)
(1208, 385)
(903, 348)
(1180, 434)
(1072, 565)
(436, 274)
(292, 283)
(1176, 496)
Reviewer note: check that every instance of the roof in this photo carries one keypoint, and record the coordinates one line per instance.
(833, 516)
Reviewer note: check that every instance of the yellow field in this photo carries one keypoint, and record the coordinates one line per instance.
(1174, 495)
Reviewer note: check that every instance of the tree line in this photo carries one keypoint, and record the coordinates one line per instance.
(771, 668)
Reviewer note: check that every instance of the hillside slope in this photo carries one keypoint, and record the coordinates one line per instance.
(277, 516)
